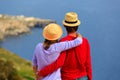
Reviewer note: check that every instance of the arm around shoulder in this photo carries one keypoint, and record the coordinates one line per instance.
(69, 44)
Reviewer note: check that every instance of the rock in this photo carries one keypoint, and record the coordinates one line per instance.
(16, 25)
(1, 36)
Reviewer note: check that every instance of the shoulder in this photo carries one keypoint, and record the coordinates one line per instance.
(66, 38)
(85, 41)
(63, 39)
(39, 45)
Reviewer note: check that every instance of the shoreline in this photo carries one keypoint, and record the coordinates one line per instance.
(17, 25)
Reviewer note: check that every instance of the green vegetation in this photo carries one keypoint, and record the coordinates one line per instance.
(13, 67)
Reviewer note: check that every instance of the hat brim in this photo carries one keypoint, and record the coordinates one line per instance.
(71, 24)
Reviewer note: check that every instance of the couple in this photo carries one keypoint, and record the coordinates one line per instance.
(68, 59)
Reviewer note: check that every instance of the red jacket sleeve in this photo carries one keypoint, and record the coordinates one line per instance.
(88, 63)
(54, 66)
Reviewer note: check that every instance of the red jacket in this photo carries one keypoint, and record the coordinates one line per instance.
(75, 62)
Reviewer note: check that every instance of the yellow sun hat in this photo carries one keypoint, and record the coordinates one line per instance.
(71, 19)
(52, 31)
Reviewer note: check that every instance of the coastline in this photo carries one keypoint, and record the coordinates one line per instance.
(17, 25)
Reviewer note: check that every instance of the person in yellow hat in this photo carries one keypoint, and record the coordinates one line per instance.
(47, 52)
(77, 64)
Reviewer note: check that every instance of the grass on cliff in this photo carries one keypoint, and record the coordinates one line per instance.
(23, 67)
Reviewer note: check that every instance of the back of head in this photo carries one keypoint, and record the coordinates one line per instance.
(71, 29)
(52, 32)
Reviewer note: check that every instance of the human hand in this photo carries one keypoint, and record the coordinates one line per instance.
(79, 35)
(38, 77)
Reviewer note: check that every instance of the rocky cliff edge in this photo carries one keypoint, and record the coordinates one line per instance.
(16, 25)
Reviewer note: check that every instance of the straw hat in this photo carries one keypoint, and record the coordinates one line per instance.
(71, 19)
(52, 31)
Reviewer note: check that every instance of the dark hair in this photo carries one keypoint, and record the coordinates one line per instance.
(71, 29)
(47, 43)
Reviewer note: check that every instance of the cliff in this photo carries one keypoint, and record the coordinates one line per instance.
(16, 25)
(13, 67)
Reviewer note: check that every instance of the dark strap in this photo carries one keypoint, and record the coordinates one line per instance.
(71, 22)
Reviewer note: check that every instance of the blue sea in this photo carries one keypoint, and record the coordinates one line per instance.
(100, 24)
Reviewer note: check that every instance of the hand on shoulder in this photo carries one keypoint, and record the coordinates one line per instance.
(79, 35)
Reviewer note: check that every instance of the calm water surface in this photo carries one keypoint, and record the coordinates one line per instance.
(24, 45)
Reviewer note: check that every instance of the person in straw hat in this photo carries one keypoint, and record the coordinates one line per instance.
(77, 64)
(47, 52)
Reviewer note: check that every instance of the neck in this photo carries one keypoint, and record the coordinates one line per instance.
(72, 34)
